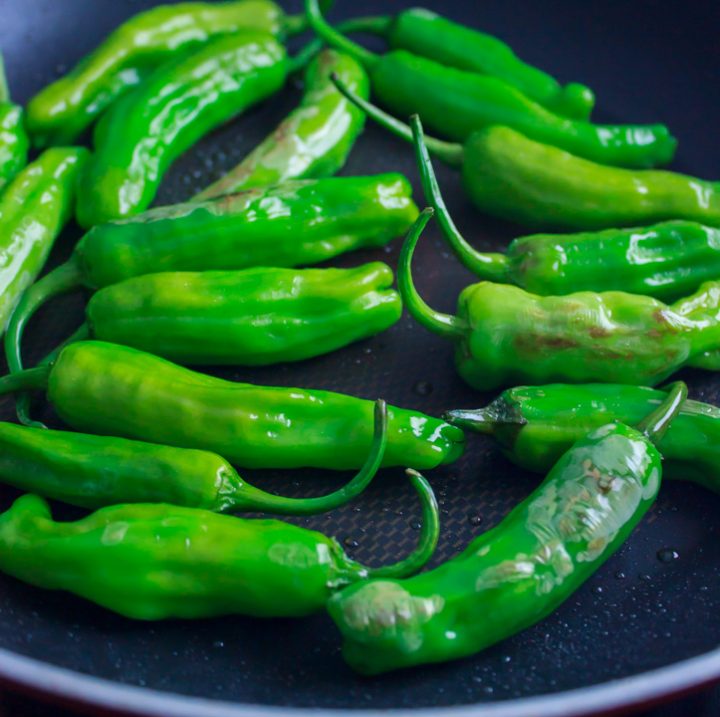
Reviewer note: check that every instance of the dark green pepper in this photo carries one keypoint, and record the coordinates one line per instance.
(314, 140)
(115, 390)
(457, 104)
(147, 129)
(60, 112)
(33, 209)
(425, 33)
(155, 561)
(253, 317)
(505, 335)
(96, 471)
(535, 425)
(14, 142)
(516, 574)
(302, 222)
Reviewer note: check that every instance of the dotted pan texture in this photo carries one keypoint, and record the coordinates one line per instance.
(648, 61)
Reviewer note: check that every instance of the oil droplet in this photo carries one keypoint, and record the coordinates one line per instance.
(218, 643)
(351, 542)
(388, 249)
(598, 589)
(357, 509)
(646, 578)
(423, 388)
(620, 575)
(488, 690)
(506, 659)
(667, 555)
(474, 519)
(415, 524)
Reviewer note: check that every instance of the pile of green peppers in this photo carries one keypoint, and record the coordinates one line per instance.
(587, 322)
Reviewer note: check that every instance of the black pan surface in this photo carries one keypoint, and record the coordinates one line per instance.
(648, 60)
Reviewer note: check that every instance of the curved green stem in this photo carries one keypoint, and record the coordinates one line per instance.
(439, 323)
(304, 56)
(31, 379)
(654, 425)
(428, 535)
(255, 499)
(334, 38)
(449, 152)
(4, 89)
(489, 266)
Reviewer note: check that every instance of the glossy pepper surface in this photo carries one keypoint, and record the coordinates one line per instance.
(520, 571)
(535, 425)
(457, 103)
(427, 34)
(301, 222)
(505, 335)
(60, 112)
(253, 317)
(97, 471)
(14, 142)
(314, 140)
(155, 561)
(115, 390)
(33, 209)
(178, 104)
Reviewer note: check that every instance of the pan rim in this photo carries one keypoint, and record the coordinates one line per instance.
(27, 674)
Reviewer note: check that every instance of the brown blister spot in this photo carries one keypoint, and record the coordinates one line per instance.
(598, 332)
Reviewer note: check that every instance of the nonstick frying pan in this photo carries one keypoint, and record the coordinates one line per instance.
(640, 630)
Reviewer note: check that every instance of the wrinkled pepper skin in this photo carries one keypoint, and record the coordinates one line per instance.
(147, 129)
(34, 208)
(535, 425)
(60, 112)
(427, 34)
(506, 336)
(315, 140)
(457, 103)
(254, 317)
(14, 142)
(115, 390)
(514, 575)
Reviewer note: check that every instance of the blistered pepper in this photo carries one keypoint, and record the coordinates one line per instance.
(517, 573)
(155, 561)
(457, 104)
(314, 140)
(60, 112)
(506, 336)
(119, 391)
(14, 142)
(138, 138)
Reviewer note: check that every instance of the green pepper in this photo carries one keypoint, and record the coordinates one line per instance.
(535, 425)
(155, 561)
(60, 112)
(96, 471)
(516, 574)
(254, 317)
(666, 260)
(505, 335)
(302, 222)
(458, 103)
(33, 209)
(425, 33)
(14, 142)
(119, 391)
(147, 129)
(314, 140)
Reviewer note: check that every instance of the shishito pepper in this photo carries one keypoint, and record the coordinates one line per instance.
(458, 103)
(60, 112)
(115, 390)
(97, 471)
(427, 34)
(33, 209)
(301, 222)
(535, 425)
(516, 574)
(314, 140)
(155, 561)
(147, 129)
(14, 142)
(253, 317)
(505, 335)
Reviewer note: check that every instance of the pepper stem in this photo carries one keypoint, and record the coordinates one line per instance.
(334, 38)
(428, 535)
(443, 324)
(255, 499)
(4, 89)
(31, 379)
(449, 152)
(489, 266)
(654, 425)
